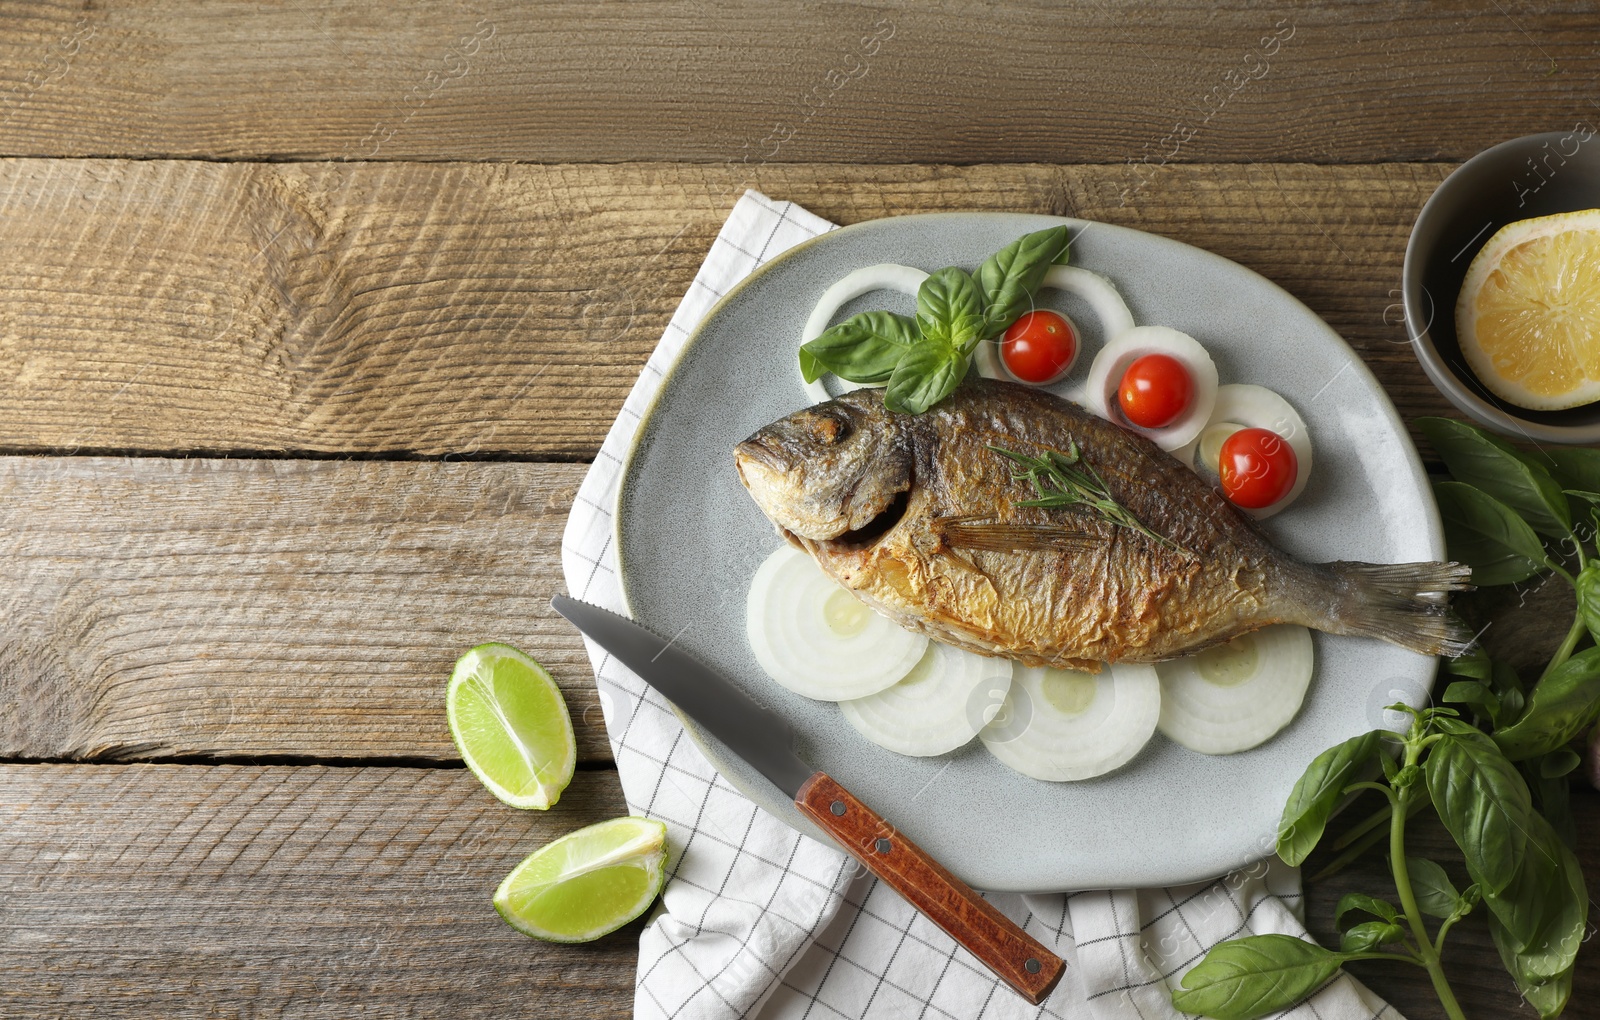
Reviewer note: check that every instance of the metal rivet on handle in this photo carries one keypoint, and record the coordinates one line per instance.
(883, 846)
(1032, 965)
(837, 807)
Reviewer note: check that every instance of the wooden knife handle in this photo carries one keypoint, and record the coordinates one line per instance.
(1016, 957)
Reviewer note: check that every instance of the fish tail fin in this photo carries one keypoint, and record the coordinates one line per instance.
(1405, 604)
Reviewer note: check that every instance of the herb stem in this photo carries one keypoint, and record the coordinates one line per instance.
(1405, 957)
(1374, 786)
(1574, 635)
(1408, 900)
(1367, 842)
(1449, 922)
(1065, 479)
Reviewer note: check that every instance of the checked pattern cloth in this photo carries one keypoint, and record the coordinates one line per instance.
(760, 921)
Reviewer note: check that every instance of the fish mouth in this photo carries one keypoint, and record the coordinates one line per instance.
(770, 457)
(874, 530)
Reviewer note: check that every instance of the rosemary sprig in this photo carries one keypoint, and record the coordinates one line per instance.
(1067, 480)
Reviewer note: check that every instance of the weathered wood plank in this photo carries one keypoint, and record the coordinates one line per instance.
(194, 891)
(189, 891)
(158, 607)
(1470, 960)
(496, 309)
(1086, 81)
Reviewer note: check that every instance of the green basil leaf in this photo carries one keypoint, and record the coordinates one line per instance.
(926, 374)
(1487, 535)
(1473, 663)
(1361, 901)
(1009, 279)
(1434, 891)
(1484, 802)
(1547, 995)
(1553, 798)
(949, 308)
(1369, 935)
(1543, 911)
(1478, 695)
(1251, 977)
(1560, 707)
(864, 348)
(1575, 467)
(1503, 678)
(1319, 791)
(1451, 723)
(1588, 585)
(1494, 466)
(1559, 763)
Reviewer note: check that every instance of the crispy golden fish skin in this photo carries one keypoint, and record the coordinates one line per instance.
(918, 517)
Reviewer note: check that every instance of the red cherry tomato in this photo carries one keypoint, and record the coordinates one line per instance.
(1039, 347)
(1155, 390)
(1257, 467)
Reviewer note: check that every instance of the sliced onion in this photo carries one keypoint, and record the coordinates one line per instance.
(885, 276)
(1105, 377)
(1096, 291)
(948, 696)
(1234, 696)
(1240, 405)
(816, 638)
(1061, 725)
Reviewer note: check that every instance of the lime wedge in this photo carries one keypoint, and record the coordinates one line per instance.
(512, 727)
(586, 883)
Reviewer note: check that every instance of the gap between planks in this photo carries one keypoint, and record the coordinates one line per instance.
(503, 311)
(229, 609)
(898, 82)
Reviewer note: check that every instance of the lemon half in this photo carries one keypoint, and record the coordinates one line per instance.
(1528, 318)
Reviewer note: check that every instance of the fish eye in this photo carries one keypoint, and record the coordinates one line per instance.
(832, 429)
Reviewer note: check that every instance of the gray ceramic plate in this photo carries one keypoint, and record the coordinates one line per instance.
(689, 540)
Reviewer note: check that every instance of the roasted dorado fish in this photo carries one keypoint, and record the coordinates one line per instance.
(919, 516)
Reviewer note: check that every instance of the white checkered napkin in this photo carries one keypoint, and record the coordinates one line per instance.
(759, 919)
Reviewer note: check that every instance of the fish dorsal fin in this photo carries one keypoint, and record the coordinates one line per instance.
(993, 536)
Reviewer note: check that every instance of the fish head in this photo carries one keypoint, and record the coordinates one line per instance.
(830, 470)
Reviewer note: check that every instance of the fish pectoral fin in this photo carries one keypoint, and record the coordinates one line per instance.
(962, 533)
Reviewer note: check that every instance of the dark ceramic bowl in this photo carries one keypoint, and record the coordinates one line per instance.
(1532, 176)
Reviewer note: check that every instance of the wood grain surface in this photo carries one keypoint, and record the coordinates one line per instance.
(897, 82)
(358, 287)
(208, 891)
(504, 311)
(157, 608)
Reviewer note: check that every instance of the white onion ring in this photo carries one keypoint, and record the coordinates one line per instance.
(788, 622)
(884, 276)
(1260, 408)
(948, 696)
(1037, 735)
(1233, 697)
(1105, 376)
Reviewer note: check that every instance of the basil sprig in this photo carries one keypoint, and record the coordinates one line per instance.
(1494, 767)
(923, 359)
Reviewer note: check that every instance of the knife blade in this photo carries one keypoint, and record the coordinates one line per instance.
(766, 741)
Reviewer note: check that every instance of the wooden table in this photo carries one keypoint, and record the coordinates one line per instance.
(312, 314)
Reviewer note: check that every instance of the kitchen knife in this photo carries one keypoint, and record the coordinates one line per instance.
(766, 742)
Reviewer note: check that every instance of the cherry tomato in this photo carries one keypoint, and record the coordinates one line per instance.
(1257, 467)
(1155, 390)
(1039, 347)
